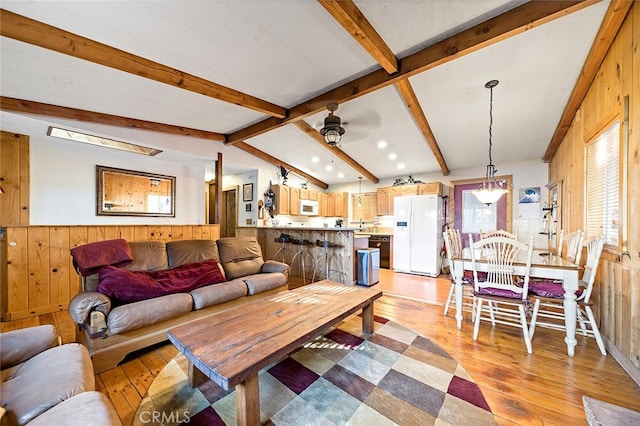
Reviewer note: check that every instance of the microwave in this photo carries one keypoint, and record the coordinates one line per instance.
(308, 208)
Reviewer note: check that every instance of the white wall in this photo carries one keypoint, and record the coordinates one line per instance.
(63, 179)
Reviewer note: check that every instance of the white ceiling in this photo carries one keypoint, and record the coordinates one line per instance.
(286, 52)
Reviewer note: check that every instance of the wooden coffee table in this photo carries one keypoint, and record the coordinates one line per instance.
(231, 347)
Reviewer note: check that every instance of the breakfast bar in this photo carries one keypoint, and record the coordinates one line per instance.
(281, 243)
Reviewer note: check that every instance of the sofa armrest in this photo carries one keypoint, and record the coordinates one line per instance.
(20, 345)
(275, 266)
(82, 304)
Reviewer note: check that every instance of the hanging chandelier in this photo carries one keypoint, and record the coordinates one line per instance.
(491, 190)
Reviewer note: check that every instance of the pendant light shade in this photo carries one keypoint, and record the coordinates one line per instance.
(491, 190)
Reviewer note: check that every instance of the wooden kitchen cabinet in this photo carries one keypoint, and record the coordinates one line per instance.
(431, 188)
(282, 193)
(384, 207)
(341, 204)
(294, 201)
(304, 194)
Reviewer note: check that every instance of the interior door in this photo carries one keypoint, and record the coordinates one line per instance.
(229, 219)
(470, 216)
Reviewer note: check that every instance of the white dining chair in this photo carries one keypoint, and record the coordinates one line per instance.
(574, 242)
(548, 298)
(504, 293)
(499, 233)
(453, 247)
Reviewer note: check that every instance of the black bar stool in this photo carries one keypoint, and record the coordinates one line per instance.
(282, 251)
(305, 259)
(329, 260)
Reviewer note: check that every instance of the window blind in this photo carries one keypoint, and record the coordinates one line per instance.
(602, 204)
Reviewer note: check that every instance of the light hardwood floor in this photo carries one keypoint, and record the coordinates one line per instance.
(543, 388)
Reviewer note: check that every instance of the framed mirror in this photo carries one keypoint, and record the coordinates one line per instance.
(132, 193)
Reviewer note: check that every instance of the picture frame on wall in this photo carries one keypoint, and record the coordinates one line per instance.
(247, 192)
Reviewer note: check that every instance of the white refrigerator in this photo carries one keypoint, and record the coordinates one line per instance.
(417, 234)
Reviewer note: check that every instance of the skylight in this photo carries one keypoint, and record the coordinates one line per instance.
(100, 141)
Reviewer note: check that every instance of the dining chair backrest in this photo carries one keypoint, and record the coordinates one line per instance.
(574, 246)
(594, 247)
(559, 243)
(452, 247)
(500, 254)
(499, 233)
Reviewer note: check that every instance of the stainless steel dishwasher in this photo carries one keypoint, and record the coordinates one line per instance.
(382, 242)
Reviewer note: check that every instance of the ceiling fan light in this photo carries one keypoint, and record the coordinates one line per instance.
(332, 131)
(332, 136)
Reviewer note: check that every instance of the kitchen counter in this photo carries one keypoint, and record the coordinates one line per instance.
(309, 228)
(344, 239)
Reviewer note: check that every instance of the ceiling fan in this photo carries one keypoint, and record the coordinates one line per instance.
(333, 128)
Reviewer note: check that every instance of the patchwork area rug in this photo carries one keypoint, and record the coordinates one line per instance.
(395, 376)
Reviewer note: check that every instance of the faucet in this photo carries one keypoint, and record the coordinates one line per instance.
(361, 224)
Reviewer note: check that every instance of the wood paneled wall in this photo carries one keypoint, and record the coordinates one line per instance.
(14, 179)
(37, 274)
(617, 292)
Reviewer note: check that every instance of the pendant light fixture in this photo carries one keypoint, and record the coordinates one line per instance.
(360, 191)
(491, 190)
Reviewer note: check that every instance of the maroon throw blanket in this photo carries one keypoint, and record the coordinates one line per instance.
(88, 259)
(125, 286)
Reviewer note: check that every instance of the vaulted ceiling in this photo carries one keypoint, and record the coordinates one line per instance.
(258, 75)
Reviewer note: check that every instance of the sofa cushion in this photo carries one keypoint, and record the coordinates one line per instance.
(240, 256)
(220, 293)
(146, 312)
(258, 283)
(45, 380)
(132, 286)
(88, 408)
(148, 256)
(190, 251)
(90, 258)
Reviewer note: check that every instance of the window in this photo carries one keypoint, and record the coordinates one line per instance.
(602, 204)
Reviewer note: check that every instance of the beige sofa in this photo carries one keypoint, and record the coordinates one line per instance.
(111, 330)
(45, 383)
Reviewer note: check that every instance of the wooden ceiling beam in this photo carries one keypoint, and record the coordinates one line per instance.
(610, 26)
(39, 108)
(273, 160)
(351, 18)
(316, 136)
(516, 21)
(411, 100)
(39, 34)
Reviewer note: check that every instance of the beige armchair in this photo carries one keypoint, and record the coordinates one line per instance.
(44, 382)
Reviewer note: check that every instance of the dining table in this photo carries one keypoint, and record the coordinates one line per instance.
(544, 264)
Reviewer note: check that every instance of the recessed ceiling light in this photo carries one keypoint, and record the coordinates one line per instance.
(392, 156)
(382, 144)
(315, 159)
(340, 175)
(100, 141)
(401, 165)
(329, 167)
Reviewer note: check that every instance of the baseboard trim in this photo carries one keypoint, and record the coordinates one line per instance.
(623, 360)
